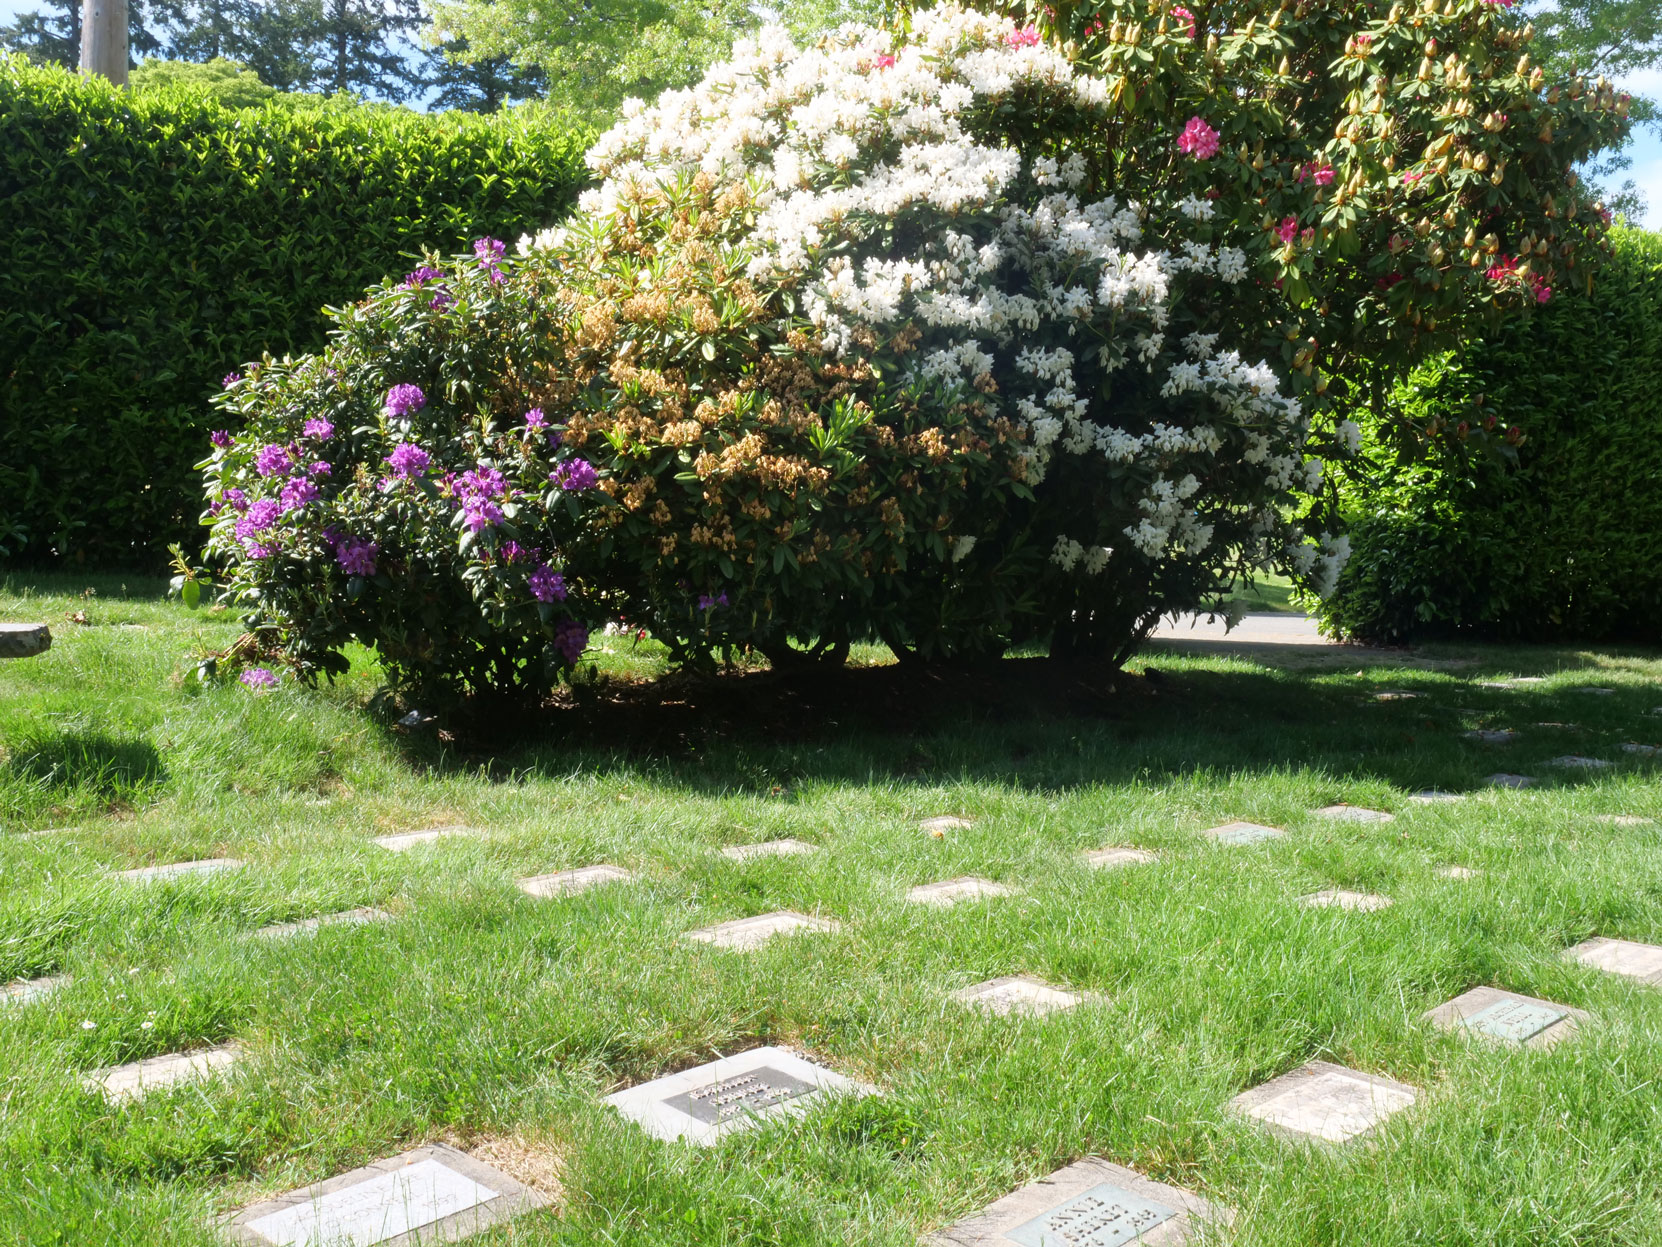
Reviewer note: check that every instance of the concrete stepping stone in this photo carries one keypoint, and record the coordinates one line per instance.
(1238, 833)
(1457, 872)
(307, 926)
(744, 934)
(704, 1104)
(403, 841)
(1506, 779)
(1324, 1101)
(951, 891)
(434, 1194)
(1507, 1017)
(1623, 820)
(1578, 762)
(1117, 856)
(1625, 957)
(1435, 796)
(1492, 735)
(768, 848)
(1340, 898)
(26, 991)
(24, 640)
(1020, 994)
(943, 823)
(124, 1083)
(1347, 813)
(570, 882)
(1643, 751)
(1090, 1203)
(179, 870)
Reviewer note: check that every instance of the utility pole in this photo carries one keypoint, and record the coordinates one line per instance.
(104, 39)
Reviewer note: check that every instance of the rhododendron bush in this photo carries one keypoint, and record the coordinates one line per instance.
(854, 340)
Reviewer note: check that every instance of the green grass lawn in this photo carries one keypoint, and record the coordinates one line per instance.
(495, 1021)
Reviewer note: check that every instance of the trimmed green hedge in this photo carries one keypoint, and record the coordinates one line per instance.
(151, 244)
(1567, 545)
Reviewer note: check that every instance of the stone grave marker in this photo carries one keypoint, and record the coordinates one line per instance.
(1111, 858)
(1435, 796)
(568, 882)
(1576, 761)
(403, 841)
(1642, 751)
(768, 848)
(1507, 1017)
(1090, 1203)
(943, 823)
(24, 991)
(1347, 813)
(1589, 688)
(704, 1104)
(951, 891)
(178, 870)
(1492, 735)
(1325, 1101)
(744, 934)
(123, 1083)
(434, 1194)
(1394, 694)
(1339, 898)
(1018, 994)
(1238, 832)
(306, 926)
(1623, 820)
(24, 640)
(1505, 779)
(1625, 957)
(1457, 872)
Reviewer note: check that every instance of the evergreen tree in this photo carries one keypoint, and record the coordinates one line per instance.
(479, 86)
(52, 36)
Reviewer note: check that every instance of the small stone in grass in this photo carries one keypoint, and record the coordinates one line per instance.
(1017, 994)
(1625, 957)
(1238, 833)
(121, 1083)
(1457, 872)
(1326, 1102)
(951, 891)
(1505, 779)
(1090, 1203)
(943, 823)
(432, 1194)
(768, 848)
(743, 934)
(567, 882)
(1344, 812)
(1507, 1017)
(1339, 898)
(1109, 858)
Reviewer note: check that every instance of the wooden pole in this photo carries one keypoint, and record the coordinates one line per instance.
(104, 39)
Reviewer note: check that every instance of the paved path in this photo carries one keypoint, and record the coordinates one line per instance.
(1252, 630)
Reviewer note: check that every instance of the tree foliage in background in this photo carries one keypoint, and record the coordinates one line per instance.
(154, 239)
(233, 85)
(478, 85)
(52, 35)
(1563, 547)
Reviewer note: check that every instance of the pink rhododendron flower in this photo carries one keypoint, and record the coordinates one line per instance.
(1198, 140)
(1288, 229)
(1321, 175)
(1023, 37)
(884, 61)
(1187, 17)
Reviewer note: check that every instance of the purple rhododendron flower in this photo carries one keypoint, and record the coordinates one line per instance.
(255, 550)
(220, 438)
(571, 639)
(261, 515)
(441, 300)
(419, 277)
(236, 499)
(356, 556)
(402, 400)
(273, 460)
(231, 378)
(258, 678)
(480, 512)
(322, 430)
(408, 459)
(484, 480)
(547, 585)
(320, 467)
(489, 250)
(535, 420)
(298, 492)
(706, 602)
(512, 551)
(575, 474)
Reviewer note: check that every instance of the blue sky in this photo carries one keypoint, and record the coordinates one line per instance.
(1645, 147)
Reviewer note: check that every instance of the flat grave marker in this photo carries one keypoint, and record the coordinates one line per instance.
(1347, 813)
(943, 823)
(703, 1104)
(403, 841)
(1435, 796)
(1117, 856)
(433, 1194)
(1340, 898)
(1505, 779)
(1492, 735)
(768, 848)
(122, 1083)
(26, 991)
(24, 640)
(951, 891)
(1457, 872)
(1623, 820)
(743, 934)
(1090, 1203)
(1590, 688)
(179, 870)
(1642, 751)
(1394, 694)
(570, 882)
(308, 926)
(1018, 994)
(1324, 1101)
(1507, 1017)
(1642, 962)
(1238, 833)
(1578, 762)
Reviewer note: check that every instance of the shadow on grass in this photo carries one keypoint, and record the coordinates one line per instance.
(92, 763)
